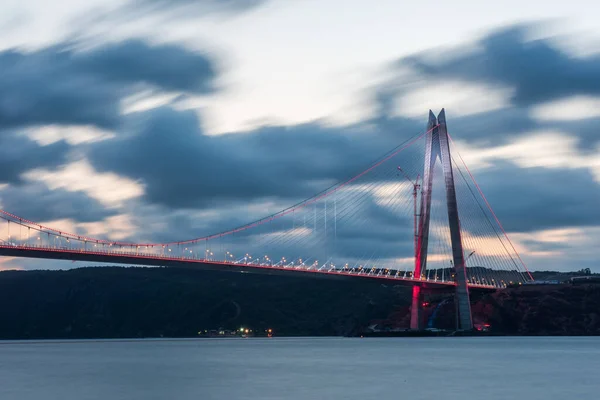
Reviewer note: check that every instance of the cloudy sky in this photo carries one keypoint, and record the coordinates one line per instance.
(157, 119)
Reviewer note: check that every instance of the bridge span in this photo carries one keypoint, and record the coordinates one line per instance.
(360, 228)
(117, 257)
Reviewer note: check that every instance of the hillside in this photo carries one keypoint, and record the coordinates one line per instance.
(546, 310)
(111, 302)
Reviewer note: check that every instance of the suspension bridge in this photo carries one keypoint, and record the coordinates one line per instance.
(415, 217)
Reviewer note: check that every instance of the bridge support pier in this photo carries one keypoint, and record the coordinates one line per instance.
(416, 308)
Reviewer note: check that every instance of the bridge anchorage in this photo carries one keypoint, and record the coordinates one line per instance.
(357, 228)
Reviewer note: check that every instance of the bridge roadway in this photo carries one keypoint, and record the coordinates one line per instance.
(214, 265)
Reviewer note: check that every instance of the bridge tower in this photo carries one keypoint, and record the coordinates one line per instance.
(438, 148)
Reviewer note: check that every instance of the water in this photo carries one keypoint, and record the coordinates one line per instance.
(303, 368)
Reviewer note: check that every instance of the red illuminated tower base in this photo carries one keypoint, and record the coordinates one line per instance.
(438, 148)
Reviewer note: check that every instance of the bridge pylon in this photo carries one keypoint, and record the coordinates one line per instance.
(438, 148)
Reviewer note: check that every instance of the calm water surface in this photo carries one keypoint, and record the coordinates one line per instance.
(304, 368)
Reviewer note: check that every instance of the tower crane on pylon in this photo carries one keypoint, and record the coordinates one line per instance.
(416, 187)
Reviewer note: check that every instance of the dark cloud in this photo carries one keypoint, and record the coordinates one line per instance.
(38, 203)
(493, 127)
(167, 67)
(43, 88)
(356, 233)
(581, 129)
(506, 125)
(18, 154)
(159, 224)
(185, 172)
(537, 70)
(530, 199)
(62, 85)
(182, 167)
(224, 173)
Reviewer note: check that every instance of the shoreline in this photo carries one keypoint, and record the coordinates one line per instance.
(199, 339)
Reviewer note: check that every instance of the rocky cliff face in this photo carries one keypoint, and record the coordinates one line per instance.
(542, 310)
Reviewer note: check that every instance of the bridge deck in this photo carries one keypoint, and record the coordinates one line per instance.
(214, 265)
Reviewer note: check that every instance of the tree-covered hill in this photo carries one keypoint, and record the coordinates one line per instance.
(117, 302)
(113, 302)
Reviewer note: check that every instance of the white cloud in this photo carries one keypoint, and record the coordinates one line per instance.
(116, 227)
(462, 97)
(568, 109)
(575, 248)
(108, 188)
(536, 149)
(146, 101)
(74, 135)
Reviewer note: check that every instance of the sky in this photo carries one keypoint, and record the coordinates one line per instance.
(136, 119)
